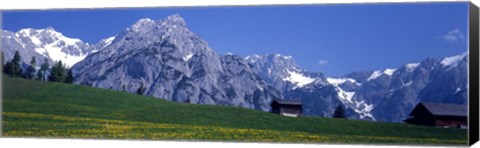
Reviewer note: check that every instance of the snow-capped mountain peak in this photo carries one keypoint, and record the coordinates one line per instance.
(47, 43)
(47, 35)
(54, 45)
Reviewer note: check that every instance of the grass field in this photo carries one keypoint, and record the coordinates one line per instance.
(44, 109)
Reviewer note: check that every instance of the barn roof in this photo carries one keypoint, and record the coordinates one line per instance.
(288, 102)
(443, 109)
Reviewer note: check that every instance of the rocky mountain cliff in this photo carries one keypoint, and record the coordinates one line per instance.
(171, 62)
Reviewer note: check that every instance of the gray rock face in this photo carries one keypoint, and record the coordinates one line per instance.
(172, 62)
(240, 81)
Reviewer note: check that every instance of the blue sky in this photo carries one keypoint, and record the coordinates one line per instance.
(333, 39)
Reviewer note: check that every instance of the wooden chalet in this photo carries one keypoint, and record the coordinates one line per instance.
(290, 108)
(439, 115)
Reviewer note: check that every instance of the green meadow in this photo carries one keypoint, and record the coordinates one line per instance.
(56, 110)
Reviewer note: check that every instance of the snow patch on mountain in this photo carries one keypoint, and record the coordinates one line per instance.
(108, 41)
(389, 71)
(35, 40)
(338, 81)
(364, 110)
(411, 66)
(378, 73)
(55, 53)
(374, 75)
(453, 60)
(407, 84)
(252, 59)
(345, 96)
(298, 79)
(187, 57)
(457, 90)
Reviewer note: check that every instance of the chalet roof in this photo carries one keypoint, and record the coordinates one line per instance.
(288, 102)
(444, 109)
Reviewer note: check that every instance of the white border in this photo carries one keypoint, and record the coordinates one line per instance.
(81, 143)
(88, 4)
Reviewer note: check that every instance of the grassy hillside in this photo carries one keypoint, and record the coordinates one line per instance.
(45, 109)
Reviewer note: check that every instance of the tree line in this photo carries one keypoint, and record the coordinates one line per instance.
(59, 72)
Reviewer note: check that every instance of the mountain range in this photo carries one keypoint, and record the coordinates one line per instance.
(169, 61)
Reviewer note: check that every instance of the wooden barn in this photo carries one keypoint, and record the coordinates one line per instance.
(290, 108)
(439, 115)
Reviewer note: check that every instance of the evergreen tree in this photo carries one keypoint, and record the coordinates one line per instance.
(339, 112)
(16, 70)
(141, 90)
(57, 73)
(8, 68)
(3, 60)
(69, 78)
(43, 70)
(31, 71)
